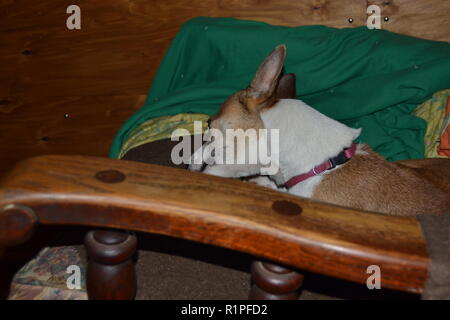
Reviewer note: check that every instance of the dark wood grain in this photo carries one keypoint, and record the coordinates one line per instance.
(63, 125)
(326, 239)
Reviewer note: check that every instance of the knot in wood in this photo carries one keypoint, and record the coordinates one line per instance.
(110, 176)
(286, 208)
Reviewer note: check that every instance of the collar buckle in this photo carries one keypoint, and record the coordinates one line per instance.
(332, 164)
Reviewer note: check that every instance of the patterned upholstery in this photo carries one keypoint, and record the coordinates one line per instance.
(45, 277)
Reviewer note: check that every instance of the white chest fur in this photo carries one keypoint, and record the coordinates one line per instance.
(306, 139)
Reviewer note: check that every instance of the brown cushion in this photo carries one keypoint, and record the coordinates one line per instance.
(156, 152)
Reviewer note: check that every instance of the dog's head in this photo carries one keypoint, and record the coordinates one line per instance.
(241, 111)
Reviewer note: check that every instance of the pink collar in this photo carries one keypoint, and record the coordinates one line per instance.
(331, 163)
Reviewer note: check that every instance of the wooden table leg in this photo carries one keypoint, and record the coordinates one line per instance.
(110, 271)
(273, 282)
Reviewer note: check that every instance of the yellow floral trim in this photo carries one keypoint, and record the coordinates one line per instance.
(162, 128)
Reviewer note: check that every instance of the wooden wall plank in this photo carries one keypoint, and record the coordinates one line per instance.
(62, 125)
(422, 19)
(76, 65)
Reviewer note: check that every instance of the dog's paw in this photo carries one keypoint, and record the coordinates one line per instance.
(263, 181)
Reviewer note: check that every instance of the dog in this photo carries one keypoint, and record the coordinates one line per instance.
(317, 156)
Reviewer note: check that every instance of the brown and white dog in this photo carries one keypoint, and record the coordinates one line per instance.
(317, 155)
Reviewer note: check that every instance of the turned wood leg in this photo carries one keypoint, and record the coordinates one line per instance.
(273, 282)
(110, 271)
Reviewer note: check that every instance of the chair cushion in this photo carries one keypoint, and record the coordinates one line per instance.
(45, 277)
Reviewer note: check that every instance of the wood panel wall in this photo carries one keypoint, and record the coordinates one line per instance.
(68, 91)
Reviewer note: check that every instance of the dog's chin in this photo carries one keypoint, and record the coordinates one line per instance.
(231, 170)
(196, 167)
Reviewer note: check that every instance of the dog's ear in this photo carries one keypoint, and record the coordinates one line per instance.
(286, 87)
(266, 79)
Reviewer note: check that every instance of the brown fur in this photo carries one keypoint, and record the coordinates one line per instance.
(286, 87)
(436, 171)
(371, 183)
(234, 113)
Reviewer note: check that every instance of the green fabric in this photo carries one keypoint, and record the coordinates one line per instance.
(365, 78)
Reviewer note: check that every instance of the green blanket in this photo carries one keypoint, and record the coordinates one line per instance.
(365, 78)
